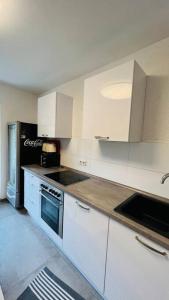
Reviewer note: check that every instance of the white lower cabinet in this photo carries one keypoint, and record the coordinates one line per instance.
(133, 271)
(31, 195)
(85, 239)
(125, 269)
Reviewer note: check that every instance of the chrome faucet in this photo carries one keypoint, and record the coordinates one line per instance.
(165, 176)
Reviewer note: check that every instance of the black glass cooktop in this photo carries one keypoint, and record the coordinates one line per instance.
(66, 177)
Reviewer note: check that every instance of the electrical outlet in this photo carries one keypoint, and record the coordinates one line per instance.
(83, 163)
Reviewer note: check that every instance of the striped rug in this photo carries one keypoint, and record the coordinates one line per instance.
(47, 286)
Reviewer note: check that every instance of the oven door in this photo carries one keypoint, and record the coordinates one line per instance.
(52, 212)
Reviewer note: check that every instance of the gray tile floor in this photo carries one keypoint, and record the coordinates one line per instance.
(25, 249)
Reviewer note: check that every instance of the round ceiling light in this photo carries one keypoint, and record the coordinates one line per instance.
(117, 91)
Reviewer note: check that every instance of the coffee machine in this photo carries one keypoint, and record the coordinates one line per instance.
(50, 156)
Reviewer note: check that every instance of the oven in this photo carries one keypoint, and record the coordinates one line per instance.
(52, 208)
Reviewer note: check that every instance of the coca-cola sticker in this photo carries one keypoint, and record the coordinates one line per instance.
(36, 143)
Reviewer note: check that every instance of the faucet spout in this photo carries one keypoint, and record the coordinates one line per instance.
(165, 176)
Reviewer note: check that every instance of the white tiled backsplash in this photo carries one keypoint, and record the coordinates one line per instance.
(139, 165)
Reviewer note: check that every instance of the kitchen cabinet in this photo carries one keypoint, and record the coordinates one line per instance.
(31, 195)
(133, 271)
(55, 116)
(85, 239)
(32, 202)
(114, 104)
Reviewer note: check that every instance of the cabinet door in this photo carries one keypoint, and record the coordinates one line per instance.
(133, 271)
(34, 197)
(31, 195)
(85, 239)
(47, 115)
(64, 110)
(104, 116)
(114, 104)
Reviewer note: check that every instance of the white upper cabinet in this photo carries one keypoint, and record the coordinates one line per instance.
(55, 116)
(114, 104)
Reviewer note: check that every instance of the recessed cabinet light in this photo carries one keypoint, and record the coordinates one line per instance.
(117, 91)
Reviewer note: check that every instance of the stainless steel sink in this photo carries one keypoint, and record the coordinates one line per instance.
(147, 211)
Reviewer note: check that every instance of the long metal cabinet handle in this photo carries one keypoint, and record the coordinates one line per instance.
(98, 137)
(163, 253)
(83, 207)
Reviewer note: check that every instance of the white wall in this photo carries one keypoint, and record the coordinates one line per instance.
(15, 105)
(138, 165)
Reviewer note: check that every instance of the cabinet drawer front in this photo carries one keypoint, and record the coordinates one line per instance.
(34, 180)
(31, 194)
(26, 190)
(133, 270)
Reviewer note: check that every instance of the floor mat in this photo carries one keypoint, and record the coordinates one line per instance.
(47, 286)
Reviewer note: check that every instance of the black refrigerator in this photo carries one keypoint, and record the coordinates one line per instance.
(24, 148)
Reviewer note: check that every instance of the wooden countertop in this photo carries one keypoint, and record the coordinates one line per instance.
(102, 195)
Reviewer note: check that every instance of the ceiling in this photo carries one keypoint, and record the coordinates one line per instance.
(44, 43)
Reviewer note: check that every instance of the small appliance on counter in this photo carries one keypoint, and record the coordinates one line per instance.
(50, 156)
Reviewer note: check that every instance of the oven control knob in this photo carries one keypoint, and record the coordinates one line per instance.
(58, 194)
(44, 186)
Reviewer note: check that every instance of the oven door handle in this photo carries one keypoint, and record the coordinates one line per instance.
(56, 205)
